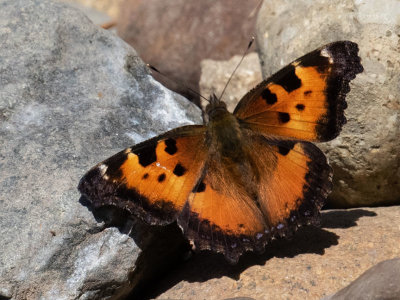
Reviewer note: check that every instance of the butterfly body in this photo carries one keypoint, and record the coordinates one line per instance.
(245, 177)
(224, 135)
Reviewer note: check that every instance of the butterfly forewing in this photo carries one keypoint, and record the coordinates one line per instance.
(151, 180)
(306, 99)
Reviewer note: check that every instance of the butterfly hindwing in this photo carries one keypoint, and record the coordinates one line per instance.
(222, 216)
(301, 181)
(151, 180)
(306, 99)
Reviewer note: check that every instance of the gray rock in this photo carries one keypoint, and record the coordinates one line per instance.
(365, 156)
(71, 94)
(379, 282)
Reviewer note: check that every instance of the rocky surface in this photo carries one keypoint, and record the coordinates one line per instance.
(215, 75)
(110, 7)
(96, 16)
(71, 94)
(176, 35)
(379, 282)
(365, 156)
(314, 264)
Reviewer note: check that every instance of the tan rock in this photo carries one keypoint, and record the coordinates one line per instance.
(314, 264)
(95, 15)
(215, 75)
(110, 7)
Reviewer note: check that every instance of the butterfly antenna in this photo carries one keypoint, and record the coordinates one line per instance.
(186, 87)
(233, 73)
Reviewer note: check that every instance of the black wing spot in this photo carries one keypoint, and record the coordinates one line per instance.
(179, 170)
(284, 117)
(145, 176)
(146, 155)
(284, 147)
(161, 177)
(269, 97)
(307, 93)
(199, 188)
(171, 146)
(300, 107)
(289, 81)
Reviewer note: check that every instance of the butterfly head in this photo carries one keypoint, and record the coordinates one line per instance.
(215, 107)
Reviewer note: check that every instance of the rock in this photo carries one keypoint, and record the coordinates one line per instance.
(215, 76)
(96, 16)
(315, 263)
(71, 94)
(365, 157)
(379, 282)
(176, 35)
(110, 7)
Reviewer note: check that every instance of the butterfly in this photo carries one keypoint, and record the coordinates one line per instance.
(242, 178)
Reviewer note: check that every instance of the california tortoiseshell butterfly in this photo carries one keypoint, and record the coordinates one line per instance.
(245, 177)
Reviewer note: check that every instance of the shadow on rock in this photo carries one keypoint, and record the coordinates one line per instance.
(165, 250)
(344, 218)
(208, 265)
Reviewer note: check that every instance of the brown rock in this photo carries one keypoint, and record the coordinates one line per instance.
(315, 263)
(176, 35)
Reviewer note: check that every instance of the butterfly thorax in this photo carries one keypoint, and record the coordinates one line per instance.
(223, 131)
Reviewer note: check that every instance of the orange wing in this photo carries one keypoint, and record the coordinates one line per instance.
(221, 216)
(301, 181)
(151, 180)
(287, 186)
(306, 99)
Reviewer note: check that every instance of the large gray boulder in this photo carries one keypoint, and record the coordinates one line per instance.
(71, 94)
(365, 157)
